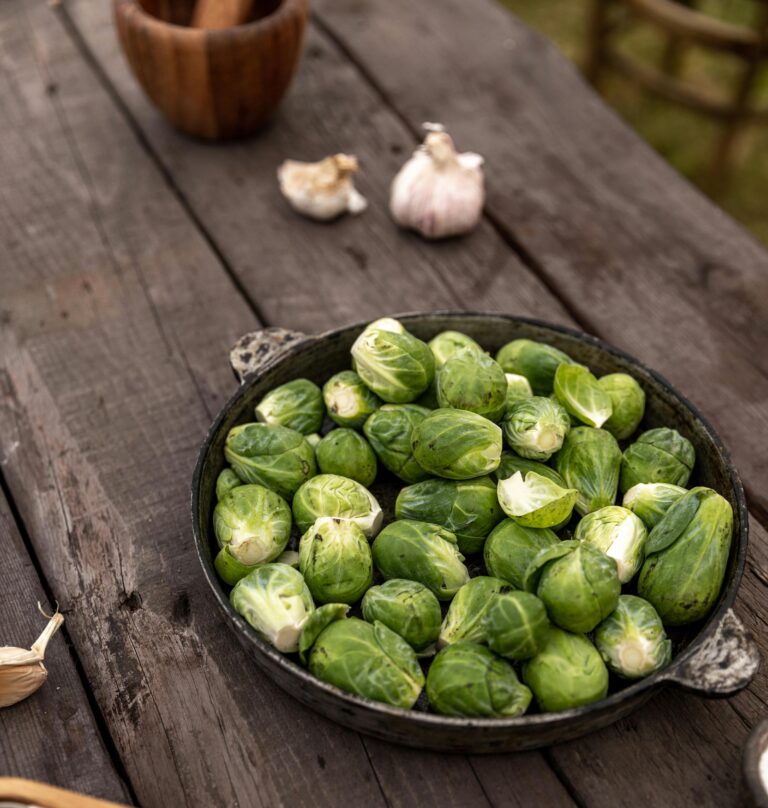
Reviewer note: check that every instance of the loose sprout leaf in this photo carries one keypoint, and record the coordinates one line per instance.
(535, 500)
(581, 395)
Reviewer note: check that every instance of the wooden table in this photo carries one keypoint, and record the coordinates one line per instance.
(131, 258)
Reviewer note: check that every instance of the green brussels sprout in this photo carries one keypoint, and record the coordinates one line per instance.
(316, 624)
(273, 456)
(660, 455)
(398, 367)
(568, 672)
(632, 640)
(536, 427)
(627, 404)
(457, 444)
(230, 569)
(510, 463)
(448, 343)
(618, 533)
(650, 501)
(335, 560)
(348, 401)
(516, 625)
(534, 360)
(297, 405)
(225, 482)
(466, 679)
(332, 495)
(389, 431)
(511, 547)
(276, 602)
(472, 381)
(536, 501)
(421, 552)
(578, 583)
(408, 608)
(686, 557)
(518, 388)
(589, 462)
(468, 508)
(464, 620)
(367, 660)
(580, 393)
(348, 454)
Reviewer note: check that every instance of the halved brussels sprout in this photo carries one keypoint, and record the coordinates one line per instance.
(660, 455)
(589, 462)
(536, 427)
(466, 679)
(686, 557)
(511, 547)
(464, 620)
(650, 501)
(568, 672)
(348, 401)
(468, 508)
(348, 454)
(276, 602)
(534, 360)
(389, 431)
(448, 343)
(627, 403)
(273, 456)
(457, 444)
(632, 640)
(471, 380)
(518, 388)
(332, 495)
(580, 393)
(225, 482)
(367, 660)
(297, 405)
(407, 607)
(421, 552)
(316, 624)
(516, 625)
(535, 501)
(618, 533)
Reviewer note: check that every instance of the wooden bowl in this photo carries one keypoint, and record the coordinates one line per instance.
(214, 84)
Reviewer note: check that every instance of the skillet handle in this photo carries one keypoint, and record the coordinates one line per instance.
(724, 664)
(255, 349)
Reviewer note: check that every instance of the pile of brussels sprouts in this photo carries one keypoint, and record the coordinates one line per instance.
(573, 585)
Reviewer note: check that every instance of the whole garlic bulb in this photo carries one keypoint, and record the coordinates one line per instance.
(439, 192)
(322, 190)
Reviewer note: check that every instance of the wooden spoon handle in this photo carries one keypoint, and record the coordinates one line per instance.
(28, 792)
(212, 14)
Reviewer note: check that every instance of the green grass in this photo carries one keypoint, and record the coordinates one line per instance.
(685, 138)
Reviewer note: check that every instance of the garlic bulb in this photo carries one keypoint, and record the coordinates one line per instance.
(322, 190)
(22, 671)
(438, 192)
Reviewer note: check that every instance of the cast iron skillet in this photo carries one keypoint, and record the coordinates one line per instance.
(714, 658)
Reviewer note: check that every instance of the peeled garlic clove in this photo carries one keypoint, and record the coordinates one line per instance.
(438, 192)
(322, 190)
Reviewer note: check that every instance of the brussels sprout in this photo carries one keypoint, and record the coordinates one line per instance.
(348, 400)
(650, 501)
(510, 463)
(457, 444)
(631, 639)
(534, 360)
(568, 672)
(686, 557)
(581, 395)
(387, 324)
(398, 367)
(335, 560)
(618, 533)
(229, 568)
(448, 343)
(518, 388)
(577, 582)
(535, 501)
(467, 679)
(535, 427)
(511, 547)
(273, 456)
(421, 552)
(332, 495)
(464, 620)
(468, 508)
(276, 602)
(316, 624)
(389, 431)
(627, 404)
(348, 454)
(225, 482)
(367, 660)
(408, 608)
(516, 625)
(474, 382)
(589, 462)
(658, 456)
(297, 405)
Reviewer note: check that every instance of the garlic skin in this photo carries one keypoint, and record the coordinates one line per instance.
(439, 192)
(322, 190)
